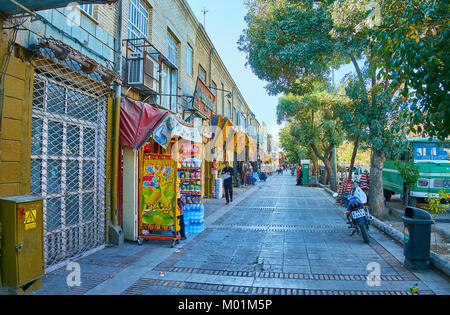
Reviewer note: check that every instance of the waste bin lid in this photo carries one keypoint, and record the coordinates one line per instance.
(417, 215)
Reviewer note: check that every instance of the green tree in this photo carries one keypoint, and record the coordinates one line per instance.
(313, 124)
(410, 174)
(293, 44)
(353, 123)
(280, 47)
(412, 45)
(292, 149)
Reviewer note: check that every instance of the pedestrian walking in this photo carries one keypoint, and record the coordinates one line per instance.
(228, 182)
(299, 175)
(181, 204)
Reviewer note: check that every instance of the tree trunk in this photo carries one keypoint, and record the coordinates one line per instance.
(325, 177)
(376, 196)
(352, 161)
(331, 176)
(328, 166)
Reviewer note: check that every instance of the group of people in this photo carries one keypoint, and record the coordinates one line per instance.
(247, 176)
(282, 168)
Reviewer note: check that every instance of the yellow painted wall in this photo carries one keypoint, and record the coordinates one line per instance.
(15, 137)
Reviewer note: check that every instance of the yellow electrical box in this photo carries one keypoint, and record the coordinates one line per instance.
(22, 249)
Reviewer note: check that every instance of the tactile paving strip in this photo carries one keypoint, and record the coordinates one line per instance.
(143, 284)
(280, 275)
(88, 282)
(270, 228)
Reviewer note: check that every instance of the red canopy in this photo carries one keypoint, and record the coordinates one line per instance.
(137, 122)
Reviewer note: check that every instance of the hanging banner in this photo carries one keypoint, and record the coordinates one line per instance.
(204, 99)
(171, 127)
(158, 193)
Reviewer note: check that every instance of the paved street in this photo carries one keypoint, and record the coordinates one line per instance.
(276, 238)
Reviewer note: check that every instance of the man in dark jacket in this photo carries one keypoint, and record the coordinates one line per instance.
(228, 182)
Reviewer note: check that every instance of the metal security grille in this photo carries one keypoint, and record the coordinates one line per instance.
(68, 158)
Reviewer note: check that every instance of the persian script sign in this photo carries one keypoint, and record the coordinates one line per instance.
(204, 99)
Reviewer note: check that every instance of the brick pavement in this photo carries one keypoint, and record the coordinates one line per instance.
(275, 239)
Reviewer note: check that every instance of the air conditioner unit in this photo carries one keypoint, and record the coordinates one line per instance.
(143, 72)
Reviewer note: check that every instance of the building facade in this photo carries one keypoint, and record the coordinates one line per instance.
(56, 121)
(69, 68)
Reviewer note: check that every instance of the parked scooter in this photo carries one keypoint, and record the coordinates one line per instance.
(358, 215)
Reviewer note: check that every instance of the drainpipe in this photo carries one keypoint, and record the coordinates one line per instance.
(210, 64)
(115, 232)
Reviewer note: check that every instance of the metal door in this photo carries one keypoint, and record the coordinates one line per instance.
(68, 163)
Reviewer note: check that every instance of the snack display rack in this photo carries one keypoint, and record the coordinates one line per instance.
(158, 175)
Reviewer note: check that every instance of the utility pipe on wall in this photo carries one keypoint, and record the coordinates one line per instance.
(116, 130)
(210, 64)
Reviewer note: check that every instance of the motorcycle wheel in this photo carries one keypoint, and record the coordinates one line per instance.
(364, 233)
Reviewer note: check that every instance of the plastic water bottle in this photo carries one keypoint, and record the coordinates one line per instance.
(196, 211)
(202, 211)
(196, 226)
(192, 224)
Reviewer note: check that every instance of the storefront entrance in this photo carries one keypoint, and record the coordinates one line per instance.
(68, 157)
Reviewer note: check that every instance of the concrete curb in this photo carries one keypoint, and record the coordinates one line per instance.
(436, 260)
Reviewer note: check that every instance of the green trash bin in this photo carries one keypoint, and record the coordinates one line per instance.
(417, 238)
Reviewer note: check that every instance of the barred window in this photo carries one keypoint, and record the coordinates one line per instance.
(202, 73)
(138, 20)
(169, 84)
(172, 49)
(189, 60)
(88, 9)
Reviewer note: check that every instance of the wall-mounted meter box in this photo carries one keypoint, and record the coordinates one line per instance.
(22, 249)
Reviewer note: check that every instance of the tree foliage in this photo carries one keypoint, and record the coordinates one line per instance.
(412, 46)
(294, 151)
(313, 123)
(294, 44)
(288, 43)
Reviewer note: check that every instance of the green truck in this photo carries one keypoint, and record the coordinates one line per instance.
(432, 159)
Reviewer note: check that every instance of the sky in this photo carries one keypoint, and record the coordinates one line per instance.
(224, 25)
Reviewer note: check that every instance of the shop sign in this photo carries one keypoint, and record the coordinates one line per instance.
(204, 99)
(170, 128)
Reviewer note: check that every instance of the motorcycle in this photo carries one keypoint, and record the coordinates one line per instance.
(358, 215)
